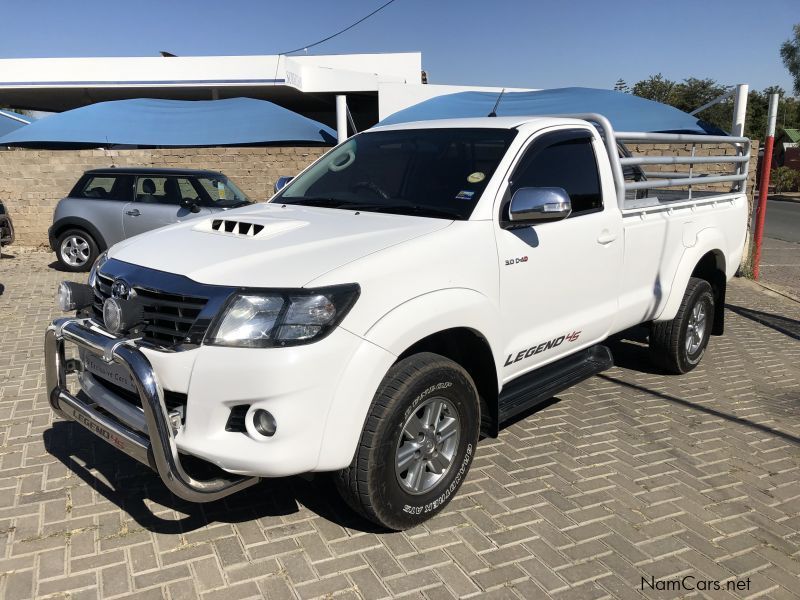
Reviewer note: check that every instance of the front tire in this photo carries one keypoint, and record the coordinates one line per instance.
(76, 250)
(417, 445)
(677, 346)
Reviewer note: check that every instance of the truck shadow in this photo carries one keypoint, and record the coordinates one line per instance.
(131, 486)
(630, 350)
(785, 325)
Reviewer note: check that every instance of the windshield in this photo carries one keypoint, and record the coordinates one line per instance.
(427, 172)
(222, 192)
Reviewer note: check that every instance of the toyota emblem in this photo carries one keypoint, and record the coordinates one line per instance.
(121, 290)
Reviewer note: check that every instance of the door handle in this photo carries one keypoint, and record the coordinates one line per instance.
(134, 213)
(606, 237)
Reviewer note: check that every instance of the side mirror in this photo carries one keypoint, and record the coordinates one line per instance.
(190, 205)
(538, 205)
(281, 183)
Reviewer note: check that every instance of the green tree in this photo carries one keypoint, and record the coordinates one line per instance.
(621, 86)
(790, 53)
(688, 95)
(655, 87)
(692, 93)
(784, 179)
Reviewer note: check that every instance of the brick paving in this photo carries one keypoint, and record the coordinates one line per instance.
(780, 266)
(630, 474)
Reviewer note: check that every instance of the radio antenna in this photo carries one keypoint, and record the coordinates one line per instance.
(496, 104)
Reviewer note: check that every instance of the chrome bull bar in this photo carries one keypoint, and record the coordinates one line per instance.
(158, 451)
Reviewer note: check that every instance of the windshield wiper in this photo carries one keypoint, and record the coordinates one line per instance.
(325, 202)
(410, 209)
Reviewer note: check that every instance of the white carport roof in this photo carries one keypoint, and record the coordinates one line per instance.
(305, 84)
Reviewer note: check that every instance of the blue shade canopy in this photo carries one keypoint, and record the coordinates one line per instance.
(625, 111)
(149, 122)
(8, 123)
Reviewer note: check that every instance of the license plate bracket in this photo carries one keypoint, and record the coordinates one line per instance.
(116, 374)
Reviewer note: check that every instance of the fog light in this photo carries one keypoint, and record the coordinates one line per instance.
(264, 422)
(73, 296)
(121, 315)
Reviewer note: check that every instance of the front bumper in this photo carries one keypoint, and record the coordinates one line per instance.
(158, 449)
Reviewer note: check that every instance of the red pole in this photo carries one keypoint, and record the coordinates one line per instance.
(766, 168)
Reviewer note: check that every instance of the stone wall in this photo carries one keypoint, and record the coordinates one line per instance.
(707, 169)
(32, 181)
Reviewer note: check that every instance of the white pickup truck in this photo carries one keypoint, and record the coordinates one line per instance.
(413, 289)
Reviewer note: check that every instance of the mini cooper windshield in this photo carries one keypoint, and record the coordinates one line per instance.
(437, 173)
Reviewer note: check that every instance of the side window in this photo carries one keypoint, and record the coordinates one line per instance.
(187, 189)
(105, 187)
(158, 190)
(563, 159)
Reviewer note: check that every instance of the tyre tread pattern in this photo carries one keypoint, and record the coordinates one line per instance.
(665, 346)
(353, 482)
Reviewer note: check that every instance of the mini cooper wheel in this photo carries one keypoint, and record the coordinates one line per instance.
(76, 250)
(677, 346)
(417, 445)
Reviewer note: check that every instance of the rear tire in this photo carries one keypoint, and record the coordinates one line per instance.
(417, 444)
(677, 346)
(76, 250)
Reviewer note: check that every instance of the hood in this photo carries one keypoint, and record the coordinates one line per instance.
(270, 245)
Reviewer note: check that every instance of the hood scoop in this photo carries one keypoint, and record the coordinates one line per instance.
(256, 228)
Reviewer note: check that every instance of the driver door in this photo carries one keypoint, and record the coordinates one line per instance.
(559, 280)
(156, 204)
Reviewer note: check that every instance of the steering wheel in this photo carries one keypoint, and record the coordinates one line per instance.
(372, 187)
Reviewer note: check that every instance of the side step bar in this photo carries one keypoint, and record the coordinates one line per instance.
(542, 384)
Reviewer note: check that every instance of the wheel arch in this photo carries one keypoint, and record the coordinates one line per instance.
(711, 268)
(706, 260)
(441, 318)
(458, 323)
(66, 223)
(470, 349)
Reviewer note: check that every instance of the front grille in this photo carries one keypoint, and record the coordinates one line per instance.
(168, 318)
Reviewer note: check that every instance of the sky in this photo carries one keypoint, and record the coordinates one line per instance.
(534, 43)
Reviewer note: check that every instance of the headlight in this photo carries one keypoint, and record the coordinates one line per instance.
(281, 317)
(101, 260)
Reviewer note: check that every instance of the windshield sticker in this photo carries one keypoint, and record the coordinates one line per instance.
(221, 190)
(476, 177)
(465, 195)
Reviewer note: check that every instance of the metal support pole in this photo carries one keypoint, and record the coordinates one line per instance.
(739, 109)
(763, 188)
(341, 117)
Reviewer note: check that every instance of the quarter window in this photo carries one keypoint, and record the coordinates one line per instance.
(105, 187)
(563, 159)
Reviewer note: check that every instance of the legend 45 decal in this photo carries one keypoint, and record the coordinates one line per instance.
(528, 352)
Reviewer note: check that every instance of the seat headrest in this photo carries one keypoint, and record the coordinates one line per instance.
(148, 187)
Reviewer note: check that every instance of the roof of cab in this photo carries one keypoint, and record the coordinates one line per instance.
(156, 171)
